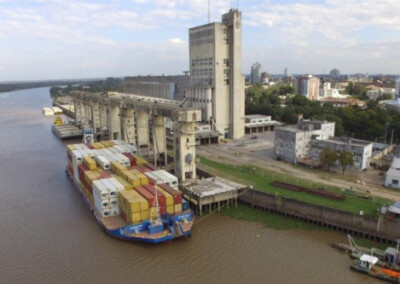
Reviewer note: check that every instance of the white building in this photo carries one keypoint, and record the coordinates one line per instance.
(327, 91)
(217, 85)
(376, 93)
(293, 143)
(361, 150)
(393, 174)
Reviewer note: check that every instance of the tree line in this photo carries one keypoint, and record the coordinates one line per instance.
(370, 123)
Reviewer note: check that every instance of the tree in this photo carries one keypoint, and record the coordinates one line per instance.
(346, 159)
(328, 157)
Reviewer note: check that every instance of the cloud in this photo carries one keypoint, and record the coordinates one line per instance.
(176, 40)
(125, 37)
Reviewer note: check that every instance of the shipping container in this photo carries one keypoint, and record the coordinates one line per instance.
(114, 201)
(124, 182)
(119, 186)
(151, 167)
(100, 190)
(145, 215)
(112, 190)
(118, 168)
(170, 209)
(91, 176)
(146, 194)
(154, 178)
(90, 163)
(160, 196)
(140, 161)
(115, 211)
(169, 200)
(143, 179)
(103, 162)
(101, 203)
(168, 178)
(89, 145)
(175, 193)
(178, 208)
(124, 160)
(131, 158)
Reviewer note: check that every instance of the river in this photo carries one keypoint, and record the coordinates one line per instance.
(47, 234)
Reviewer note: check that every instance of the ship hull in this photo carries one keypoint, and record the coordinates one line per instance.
(139, 232)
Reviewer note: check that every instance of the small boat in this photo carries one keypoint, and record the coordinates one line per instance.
(367, 264)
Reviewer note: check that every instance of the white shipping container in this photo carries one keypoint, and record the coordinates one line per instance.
(103, 162)
(117, 142)
(106, 212)
(168, 178)
(77, 157)
(119, 186)
(114, 201)
(155, 178)
(124, 160)
(115, 211)
(100, 190)
(112, 190)
(101, 203)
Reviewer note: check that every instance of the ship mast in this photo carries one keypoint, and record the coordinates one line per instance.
(155, 212)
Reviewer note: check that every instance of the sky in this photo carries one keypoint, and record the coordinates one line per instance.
(67, 39)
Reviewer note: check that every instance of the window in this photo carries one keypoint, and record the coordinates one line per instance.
(395, 181)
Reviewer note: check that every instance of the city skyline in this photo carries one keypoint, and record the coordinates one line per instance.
(86, 39)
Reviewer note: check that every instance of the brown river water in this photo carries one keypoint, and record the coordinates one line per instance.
(47, 235)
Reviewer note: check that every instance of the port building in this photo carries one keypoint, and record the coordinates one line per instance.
(303, 143)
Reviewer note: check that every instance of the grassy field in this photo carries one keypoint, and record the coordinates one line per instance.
(261, 180)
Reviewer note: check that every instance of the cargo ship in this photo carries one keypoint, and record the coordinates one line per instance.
(130, 198)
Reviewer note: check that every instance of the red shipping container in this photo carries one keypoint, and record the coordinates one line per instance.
(131, 158)
(89, 145)
(175, 193)
(144, 169)
(88, 186)
(160, 196)
(151, 167)
(147, 195)
(105, 174)
(82, 168)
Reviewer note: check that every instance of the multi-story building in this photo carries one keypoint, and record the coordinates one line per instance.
(361, 150)
(335, 73)
(397, 89)
(255, 73)
(293, 143)
(308, 86)
(217, 85)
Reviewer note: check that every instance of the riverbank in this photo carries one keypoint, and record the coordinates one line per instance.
(278, 222)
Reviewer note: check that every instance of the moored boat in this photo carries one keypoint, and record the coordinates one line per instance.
(125, 202)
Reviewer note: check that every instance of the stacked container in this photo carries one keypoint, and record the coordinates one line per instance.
(118, 183)
(134, 207)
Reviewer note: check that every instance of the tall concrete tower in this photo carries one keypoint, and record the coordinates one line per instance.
(216, 79)
(255, 73)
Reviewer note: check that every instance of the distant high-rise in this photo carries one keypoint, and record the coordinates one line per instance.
(255, 76)
(335, 73)
(216, 79)
(308, 86)
(285, 72)
(397, 89)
